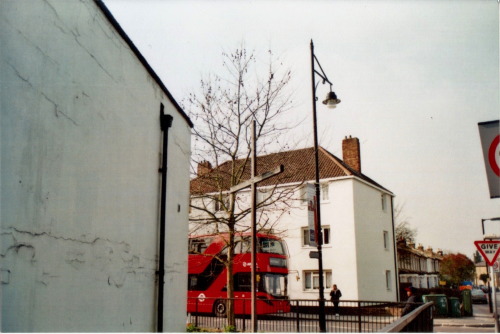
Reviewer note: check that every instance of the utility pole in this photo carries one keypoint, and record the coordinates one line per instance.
(252, 183)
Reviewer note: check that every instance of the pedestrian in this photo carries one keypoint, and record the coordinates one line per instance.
(412, 300)
(335, 295)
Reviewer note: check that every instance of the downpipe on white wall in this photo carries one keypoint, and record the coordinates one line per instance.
(165, 124)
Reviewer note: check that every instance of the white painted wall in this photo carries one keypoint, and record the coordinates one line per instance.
(80, 148)
(371, 220)
(356, 255)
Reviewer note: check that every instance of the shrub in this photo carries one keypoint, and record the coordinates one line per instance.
(190, 328)
(230, 329)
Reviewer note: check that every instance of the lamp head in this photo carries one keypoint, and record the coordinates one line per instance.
(331, 100)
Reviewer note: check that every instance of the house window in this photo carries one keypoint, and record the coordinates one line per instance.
(386, 240)
(384, 204)
(311, 279)
(388, 283)
(324, 192)
(263, 195)
(326, 236)
(303, 194)
(221, 203)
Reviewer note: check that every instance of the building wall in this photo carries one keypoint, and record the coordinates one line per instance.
(80, 147)
(480, 269)
(341, 255)
(375, 260)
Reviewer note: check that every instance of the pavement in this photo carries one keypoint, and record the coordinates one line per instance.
(482, 318)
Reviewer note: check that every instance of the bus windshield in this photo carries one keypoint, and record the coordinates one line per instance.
(272, 246)
(274, 284)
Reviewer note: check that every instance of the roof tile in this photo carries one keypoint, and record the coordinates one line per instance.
(299, 167)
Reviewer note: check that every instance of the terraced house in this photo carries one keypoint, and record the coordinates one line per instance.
(418, 267)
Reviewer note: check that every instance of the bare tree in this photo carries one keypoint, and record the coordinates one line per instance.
(222, 112)
(403, 229)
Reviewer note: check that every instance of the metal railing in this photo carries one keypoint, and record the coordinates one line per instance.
(353, 316)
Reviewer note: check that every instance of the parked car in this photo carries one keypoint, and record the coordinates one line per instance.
(478, 296)
(484, 288)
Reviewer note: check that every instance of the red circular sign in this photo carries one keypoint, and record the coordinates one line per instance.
(492, 155)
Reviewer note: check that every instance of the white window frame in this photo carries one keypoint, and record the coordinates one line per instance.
(311, 280)
(327, 236)
(218, 204)
(388, 280)
(264, 194)
(386, 240)
(324, 191)
(384, 202)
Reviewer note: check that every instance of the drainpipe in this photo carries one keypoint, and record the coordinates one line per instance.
(165, 124)
(394, 241)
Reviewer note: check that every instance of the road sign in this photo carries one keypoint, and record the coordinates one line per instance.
(490, 142)
(313, 255)
(489, 250)
(496, 267)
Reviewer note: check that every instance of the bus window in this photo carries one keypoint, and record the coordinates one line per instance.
(242, 246)
(242, 282)
(192, 282)
(198, 245)
(271, 246)
(273, 284)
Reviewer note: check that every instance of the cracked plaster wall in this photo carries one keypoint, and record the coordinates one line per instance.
(80, 151)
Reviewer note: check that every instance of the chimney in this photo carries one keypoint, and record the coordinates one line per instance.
(204, 167)
(429, 251)
(351, 153)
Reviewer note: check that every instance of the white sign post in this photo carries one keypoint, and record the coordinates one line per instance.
(490, 250)
(489, 132)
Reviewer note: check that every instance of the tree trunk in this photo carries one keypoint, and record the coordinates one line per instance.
(230, 281)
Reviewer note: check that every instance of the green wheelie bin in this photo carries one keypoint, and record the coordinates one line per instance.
(440, 304)
(467, 301)
(454, 307)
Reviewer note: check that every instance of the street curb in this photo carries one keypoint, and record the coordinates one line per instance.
(464, 325)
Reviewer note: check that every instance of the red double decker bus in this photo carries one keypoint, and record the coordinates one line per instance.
(208, 275)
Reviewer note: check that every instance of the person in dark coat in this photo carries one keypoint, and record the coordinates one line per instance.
(412, 299)
(335, 295)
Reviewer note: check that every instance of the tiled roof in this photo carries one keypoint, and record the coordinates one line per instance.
(299, 167)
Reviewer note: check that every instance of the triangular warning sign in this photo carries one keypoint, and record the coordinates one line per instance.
(489, 250)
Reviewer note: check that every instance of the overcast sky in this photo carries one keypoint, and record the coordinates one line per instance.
(414, 77)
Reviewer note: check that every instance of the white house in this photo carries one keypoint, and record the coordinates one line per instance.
(81, 193)
(357, 220)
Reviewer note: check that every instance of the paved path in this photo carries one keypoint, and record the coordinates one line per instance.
(482, 321)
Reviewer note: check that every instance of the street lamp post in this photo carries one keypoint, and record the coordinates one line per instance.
(486, 219)
(331, 101)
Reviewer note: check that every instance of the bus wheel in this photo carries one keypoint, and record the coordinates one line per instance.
(220, 308)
